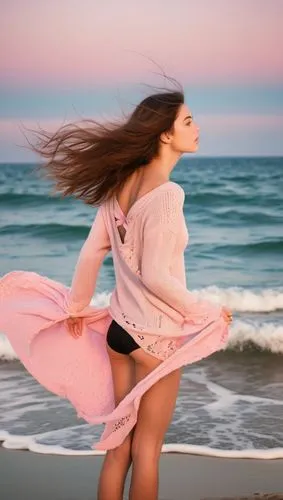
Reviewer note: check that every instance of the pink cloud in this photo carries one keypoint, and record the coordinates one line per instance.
(74, 42)
(236, 122)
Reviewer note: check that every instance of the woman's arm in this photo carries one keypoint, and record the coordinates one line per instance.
(159, 239)
(91, 256)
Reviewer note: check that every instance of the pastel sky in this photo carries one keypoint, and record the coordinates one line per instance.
(69, 59)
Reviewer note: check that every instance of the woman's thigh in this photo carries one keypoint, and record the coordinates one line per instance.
(156, 406)
(123, 373)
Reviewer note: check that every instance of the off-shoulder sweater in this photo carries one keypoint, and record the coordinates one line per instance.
(150, 300)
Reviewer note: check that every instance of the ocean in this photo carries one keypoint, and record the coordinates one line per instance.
(230, 404)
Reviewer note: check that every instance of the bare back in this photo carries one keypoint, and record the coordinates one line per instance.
(135, 187)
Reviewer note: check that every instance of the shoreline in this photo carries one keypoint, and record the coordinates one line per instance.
(26, 474)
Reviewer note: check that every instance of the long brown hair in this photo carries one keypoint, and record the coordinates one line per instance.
(93, 161)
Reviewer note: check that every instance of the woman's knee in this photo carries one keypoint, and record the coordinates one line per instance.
(146, 449)
(123, 451)
(146, 443)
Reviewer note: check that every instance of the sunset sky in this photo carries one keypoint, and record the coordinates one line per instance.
(69, 59)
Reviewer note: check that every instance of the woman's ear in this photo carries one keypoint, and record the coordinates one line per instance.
(165, 138)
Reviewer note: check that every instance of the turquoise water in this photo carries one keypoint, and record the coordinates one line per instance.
(234, 213)
(233, 209)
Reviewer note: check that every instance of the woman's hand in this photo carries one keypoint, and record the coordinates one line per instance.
(227, 315)
(75, 326)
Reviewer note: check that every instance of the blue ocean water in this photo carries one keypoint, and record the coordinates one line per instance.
(234, 213)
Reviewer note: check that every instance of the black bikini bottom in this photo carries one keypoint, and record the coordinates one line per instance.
(120, 340)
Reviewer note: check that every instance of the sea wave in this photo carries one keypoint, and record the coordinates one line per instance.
(10, 200)
(52, 231)
(251, 327)
(244, 335)
(273, 246)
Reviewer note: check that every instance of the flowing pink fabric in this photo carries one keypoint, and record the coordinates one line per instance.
(32, 315)
(33, 310)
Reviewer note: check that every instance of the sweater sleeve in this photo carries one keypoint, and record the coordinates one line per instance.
(159, 239)
(91, 256)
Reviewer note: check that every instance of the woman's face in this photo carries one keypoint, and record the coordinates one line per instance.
(185, 137)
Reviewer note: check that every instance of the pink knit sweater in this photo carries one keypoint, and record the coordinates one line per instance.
(150, 301)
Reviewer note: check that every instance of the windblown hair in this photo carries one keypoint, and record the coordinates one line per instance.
(93, 161)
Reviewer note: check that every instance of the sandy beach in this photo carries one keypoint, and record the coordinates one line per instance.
(33, 476)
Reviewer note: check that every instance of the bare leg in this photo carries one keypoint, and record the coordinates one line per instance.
(155, 413)
(118, 460)
(145, 477)
(114, 471)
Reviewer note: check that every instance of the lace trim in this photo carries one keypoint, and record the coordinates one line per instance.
(121, 422)
(162, 348)
(157, 345)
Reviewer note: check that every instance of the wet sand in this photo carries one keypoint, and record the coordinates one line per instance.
(32, 476)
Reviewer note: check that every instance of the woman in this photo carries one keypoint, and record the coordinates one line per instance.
(120, 365)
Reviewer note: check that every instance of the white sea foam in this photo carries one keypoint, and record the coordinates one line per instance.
(240, 299)
(19, 442)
